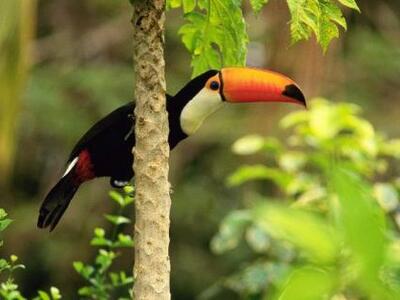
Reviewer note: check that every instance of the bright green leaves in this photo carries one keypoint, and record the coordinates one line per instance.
(308, 283)
(324, 219)
(9, 289)
(257, 5)
(4, 221)
(350, 3)
(102, 282)
(187, 5)
(358, 212)
(215, 34)
(53, 295)
(215, 30)
(320, 17)
(306, 231)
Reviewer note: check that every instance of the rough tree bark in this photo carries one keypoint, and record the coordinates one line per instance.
(152, 266)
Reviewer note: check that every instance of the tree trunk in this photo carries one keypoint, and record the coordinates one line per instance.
(152, 266)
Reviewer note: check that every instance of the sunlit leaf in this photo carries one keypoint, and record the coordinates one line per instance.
(364, 226)
(308, 283)
(292, 161)
(247, 145)
(216, 36)
(350, 3)
(43, 295)
(309, 233)
(320, 17)
(117, 197)
(258, 172)
(257, 5)
(117, 220)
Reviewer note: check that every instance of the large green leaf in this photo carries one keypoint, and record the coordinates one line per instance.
(312, 235)
(320, 17)
(363, 226)
(308, 283)
(350, 3)
(216, 36)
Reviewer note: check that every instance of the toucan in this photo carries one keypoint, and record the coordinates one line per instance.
(105, 150)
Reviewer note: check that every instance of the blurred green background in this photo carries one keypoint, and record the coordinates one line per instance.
(81, 69)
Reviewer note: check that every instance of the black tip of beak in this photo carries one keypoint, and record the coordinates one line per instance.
(292, 91)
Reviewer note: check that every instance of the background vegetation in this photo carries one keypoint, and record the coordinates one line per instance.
(82, 70)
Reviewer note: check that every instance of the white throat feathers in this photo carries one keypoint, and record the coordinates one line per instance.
(198, 109)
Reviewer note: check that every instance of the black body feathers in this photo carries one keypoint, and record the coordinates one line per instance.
(105, 150)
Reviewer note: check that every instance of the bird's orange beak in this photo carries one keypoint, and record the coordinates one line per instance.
(257, 85)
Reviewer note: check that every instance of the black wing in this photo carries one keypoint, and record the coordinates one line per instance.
(107, 122)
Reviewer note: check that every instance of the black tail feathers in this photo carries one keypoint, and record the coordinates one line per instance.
(57, 201)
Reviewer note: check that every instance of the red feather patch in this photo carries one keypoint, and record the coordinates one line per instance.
(84, 167)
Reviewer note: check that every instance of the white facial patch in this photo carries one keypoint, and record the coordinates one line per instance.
(71, 165)
(200, 107)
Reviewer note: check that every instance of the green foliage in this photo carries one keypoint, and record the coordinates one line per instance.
(9, 290)
(103, 283)
(257, 5)
(331, 215)
(215, 34)
(215, 31)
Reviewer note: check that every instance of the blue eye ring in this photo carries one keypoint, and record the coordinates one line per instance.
(214, 85)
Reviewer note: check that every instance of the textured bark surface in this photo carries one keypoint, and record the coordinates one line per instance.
(152, 265)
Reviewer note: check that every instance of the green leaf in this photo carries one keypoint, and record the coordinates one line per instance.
(257, 5)
(78, 266)
(128, 189)
(43, 295)
(117, 197)
(351, 4)
(55, 293)
(215, 37)
(4, 224)
(188, 5)
(230, 232)
(124, 240)
(248, 144)
(3, 213)
(117, 220)
(359, 214)
(306, 231)
(173, 3)
(4, 265)
(292, 161)
(259, 172)
(308, 283)
(320, 17)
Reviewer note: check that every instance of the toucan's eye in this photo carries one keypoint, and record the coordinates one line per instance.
(214, 85)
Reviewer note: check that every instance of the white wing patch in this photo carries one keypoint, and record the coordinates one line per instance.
(119, 183)
(71, 165)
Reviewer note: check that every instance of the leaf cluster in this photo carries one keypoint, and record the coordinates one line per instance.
(102, 282)
(9, 289)
(215, 30)
(331, 226)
